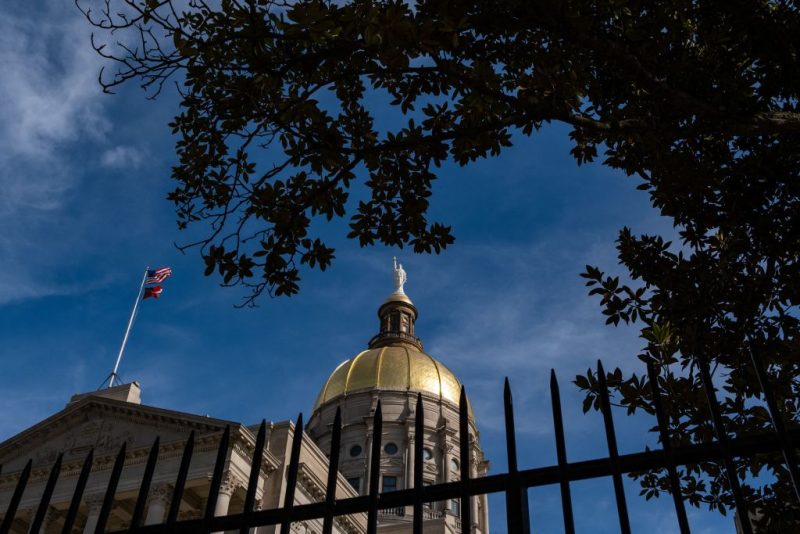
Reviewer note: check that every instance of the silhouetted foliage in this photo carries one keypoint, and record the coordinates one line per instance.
(698, 99)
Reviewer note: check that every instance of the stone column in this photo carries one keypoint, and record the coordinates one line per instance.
(445, 469)
(410, 461)
(160, 496)
(367, 474)
(226, 489)
(93, 505)
(484, 513)
(446, 456)
(473, 472)
(409, 474)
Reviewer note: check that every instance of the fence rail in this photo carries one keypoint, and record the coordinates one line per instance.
(514, 483)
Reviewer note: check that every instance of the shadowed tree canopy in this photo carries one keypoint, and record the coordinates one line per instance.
(699, 99)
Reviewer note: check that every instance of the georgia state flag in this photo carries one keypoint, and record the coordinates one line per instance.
(154, 292)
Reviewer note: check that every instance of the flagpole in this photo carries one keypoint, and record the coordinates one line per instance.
(128, 329)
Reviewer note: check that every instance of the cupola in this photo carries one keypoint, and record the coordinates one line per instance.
(397, 315)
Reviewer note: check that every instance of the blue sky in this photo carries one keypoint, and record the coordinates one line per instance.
(84, 176)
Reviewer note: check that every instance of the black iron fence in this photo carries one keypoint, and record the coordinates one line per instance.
(514, 483)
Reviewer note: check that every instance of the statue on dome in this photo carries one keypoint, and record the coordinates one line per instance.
(400, 277)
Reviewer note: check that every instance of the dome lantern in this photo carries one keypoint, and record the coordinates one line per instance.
(397, 315)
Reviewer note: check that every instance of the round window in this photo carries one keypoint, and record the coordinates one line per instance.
(427, 454)
(355, 450)
(390, 448)
(454, 465)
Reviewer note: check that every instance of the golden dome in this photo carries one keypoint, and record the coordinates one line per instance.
(395, 360)
(396, 367)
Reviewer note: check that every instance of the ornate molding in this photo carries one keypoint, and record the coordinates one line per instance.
(391, 462)
(88, 410)
(358, 463)
(230, 483)
(161, 493)
(245, 451)
(310, 482)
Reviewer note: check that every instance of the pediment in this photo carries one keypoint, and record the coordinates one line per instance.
(102, 424)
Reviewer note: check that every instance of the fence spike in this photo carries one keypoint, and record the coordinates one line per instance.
(674, 480)
(517, 512)
(291, 475)
(72, 513)
(111, 490)
(613, 452)
(374, 470)
(44, 502)
(144, 489)
(216, 477)
(255, 473)
(789, 456)
(333, 471)
(5, 527)
(561, 454)
(419, 437)
(464, 455)
(180, 481)
(511, 438)
(722, 439)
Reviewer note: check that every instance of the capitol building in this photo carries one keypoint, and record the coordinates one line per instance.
(393, 370)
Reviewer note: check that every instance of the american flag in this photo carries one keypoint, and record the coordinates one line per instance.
(157, 276)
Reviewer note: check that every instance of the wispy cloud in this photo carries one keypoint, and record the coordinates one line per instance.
(49, 84)
(536, 318)
(49, 99)
(25, 287)
(121, 157)
(49, 108)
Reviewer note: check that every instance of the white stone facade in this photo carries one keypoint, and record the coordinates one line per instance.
(440, 443)
(106, 419)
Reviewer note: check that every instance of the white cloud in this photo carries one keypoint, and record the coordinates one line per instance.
(24, 288)
(49, 86)
(535, 318)
(50, 105)
(121, 157)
